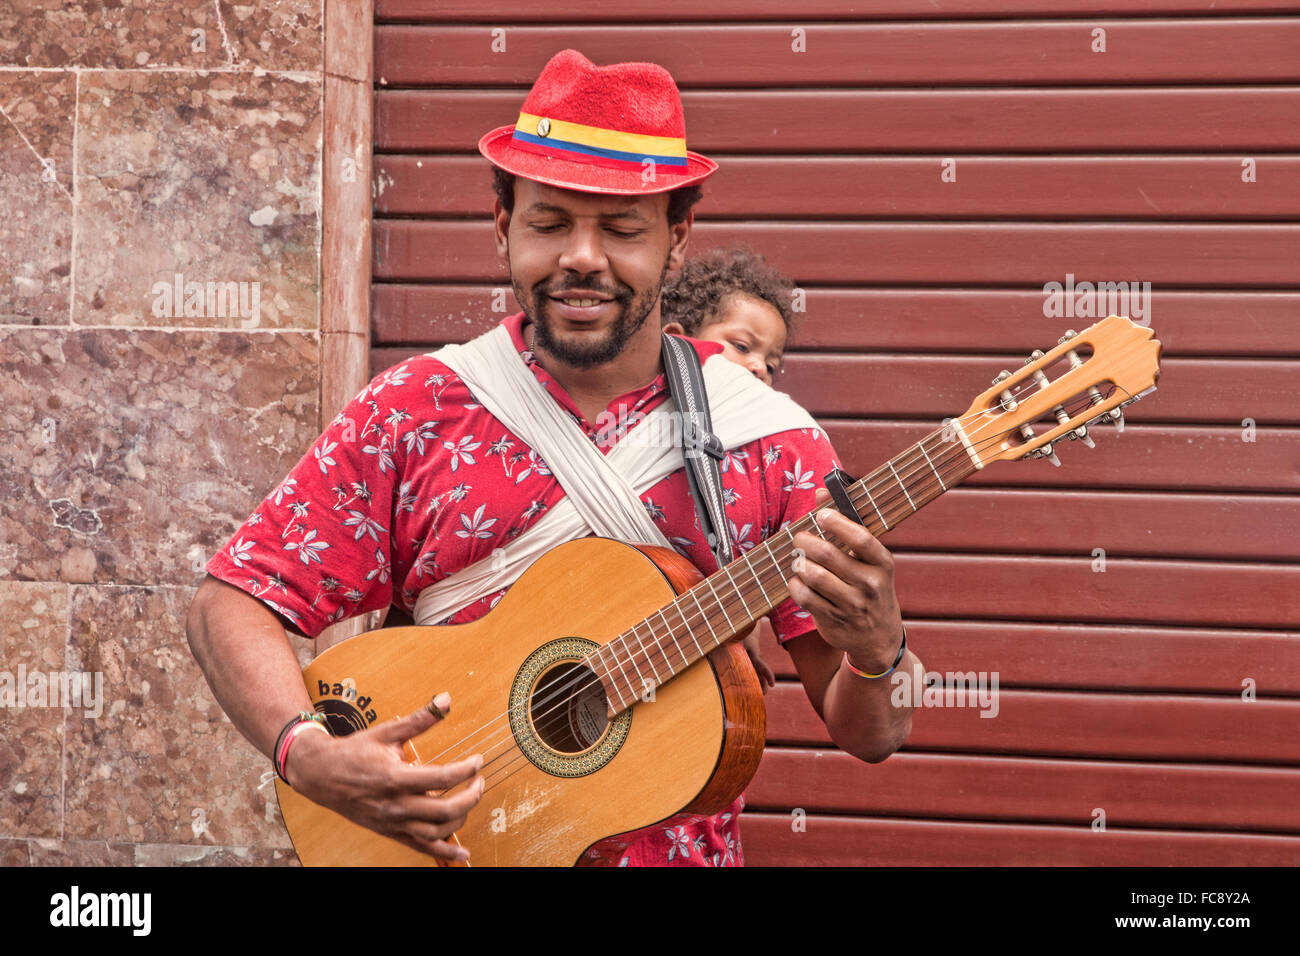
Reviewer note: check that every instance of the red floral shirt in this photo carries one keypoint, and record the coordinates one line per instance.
(415, 480)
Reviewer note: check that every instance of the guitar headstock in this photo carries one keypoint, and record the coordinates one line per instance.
(1088, 376)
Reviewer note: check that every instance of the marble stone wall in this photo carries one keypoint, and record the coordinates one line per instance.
(146, 147)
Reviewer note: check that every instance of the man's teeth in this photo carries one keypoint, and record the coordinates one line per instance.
(582, 303)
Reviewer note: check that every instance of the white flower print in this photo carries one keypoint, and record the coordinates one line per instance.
(365, 525)
(416, 437)
(381, 567)
(384, 453)
(736, 460)
(798, 478)
(681, 545)
(239, 551)
(427, 564)
(535, 463)
(460, 450)
(740, 537)
(394, 376)
(681, 842)
(286, 488)
(475, 527)
(322, 453)
(772, 455)
(406, 501)
(308, 548)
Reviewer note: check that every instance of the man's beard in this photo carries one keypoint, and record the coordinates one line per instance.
(632, 313)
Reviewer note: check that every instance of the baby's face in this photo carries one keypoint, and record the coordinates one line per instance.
(751, 334)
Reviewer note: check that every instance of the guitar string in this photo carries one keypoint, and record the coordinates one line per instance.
(914, 455)
(563, 693)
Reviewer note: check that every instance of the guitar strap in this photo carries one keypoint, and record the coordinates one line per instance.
(701, 449)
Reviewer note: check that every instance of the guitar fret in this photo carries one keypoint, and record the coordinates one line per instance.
(649, 658)
(662, 650)
(669, 628)
(677, 604)
(750, 564)
(879, 514)
(777, 564)
(630, 657)
(707, 623)
(613, 683)
(902, 486)
(730, 625)
(921, 445)
(739, 593)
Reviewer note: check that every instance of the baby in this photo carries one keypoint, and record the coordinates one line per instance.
(736, 299)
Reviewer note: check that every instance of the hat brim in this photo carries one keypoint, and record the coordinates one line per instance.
(498, 148)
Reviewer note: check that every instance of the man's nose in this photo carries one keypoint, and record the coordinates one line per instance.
(584, 251)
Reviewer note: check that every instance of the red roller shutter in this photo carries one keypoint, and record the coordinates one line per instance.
(1154, 141)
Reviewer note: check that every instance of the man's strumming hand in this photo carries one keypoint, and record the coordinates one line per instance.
(366, 778)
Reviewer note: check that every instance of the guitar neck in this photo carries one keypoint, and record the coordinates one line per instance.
(709, 614)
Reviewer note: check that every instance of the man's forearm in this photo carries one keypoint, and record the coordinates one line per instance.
(861, 716)
(246, 656)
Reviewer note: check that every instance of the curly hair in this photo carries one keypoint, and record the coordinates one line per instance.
(695, 295)
(680, 200)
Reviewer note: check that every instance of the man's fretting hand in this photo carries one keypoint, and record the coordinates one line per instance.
(847, 583)
(365, 778)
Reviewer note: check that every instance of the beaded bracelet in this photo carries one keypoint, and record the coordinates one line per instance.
(897, 660)
(280, 752)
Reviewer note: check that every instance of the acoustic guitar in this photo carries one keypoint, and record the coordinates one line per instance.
(599, 717)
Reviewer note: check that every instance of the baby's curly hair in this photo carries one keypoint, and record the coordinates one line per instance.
(694, 296)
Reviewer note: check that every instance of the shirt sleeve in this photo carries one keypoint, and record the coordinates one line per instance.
(794, 465)
(318, 548)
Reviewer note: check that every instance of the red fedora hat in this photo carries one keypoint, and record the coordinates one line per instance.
(602, 129)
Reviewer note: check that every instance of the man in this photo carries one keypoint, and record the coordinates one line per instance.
(415, 480)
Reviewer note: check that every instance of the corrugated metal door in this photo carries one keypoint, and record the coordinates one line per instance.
(924, 170)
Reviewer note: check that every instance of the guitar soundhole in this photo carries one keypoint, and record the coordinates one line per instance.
(568, 709)
(558, 712)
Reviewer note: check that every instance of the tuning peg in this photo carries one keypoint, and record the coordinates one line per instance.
(1117, 416)
(1034, 356)
(1066, 337)
(1082, 434)
(1002, 376)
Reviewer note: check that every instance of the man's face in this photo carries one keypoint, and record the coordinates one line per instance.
(588, 268)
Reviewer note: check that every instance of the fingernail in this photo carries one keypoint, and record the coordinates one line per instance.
(440, 705)
(824, 514)
(478, 761)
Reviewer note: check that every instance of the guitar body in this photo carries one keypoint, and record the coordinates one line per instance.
(560, 779)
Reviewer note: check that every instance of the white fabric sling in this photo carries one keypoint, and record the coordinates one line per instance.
(601, 492)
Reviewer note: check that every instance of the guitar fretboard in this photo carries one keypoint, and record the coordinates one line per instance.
(706, 616)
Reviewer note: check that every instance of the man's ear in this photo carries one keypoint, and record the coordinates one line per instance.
(501, 221)
(674, 328)
(679, 235)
